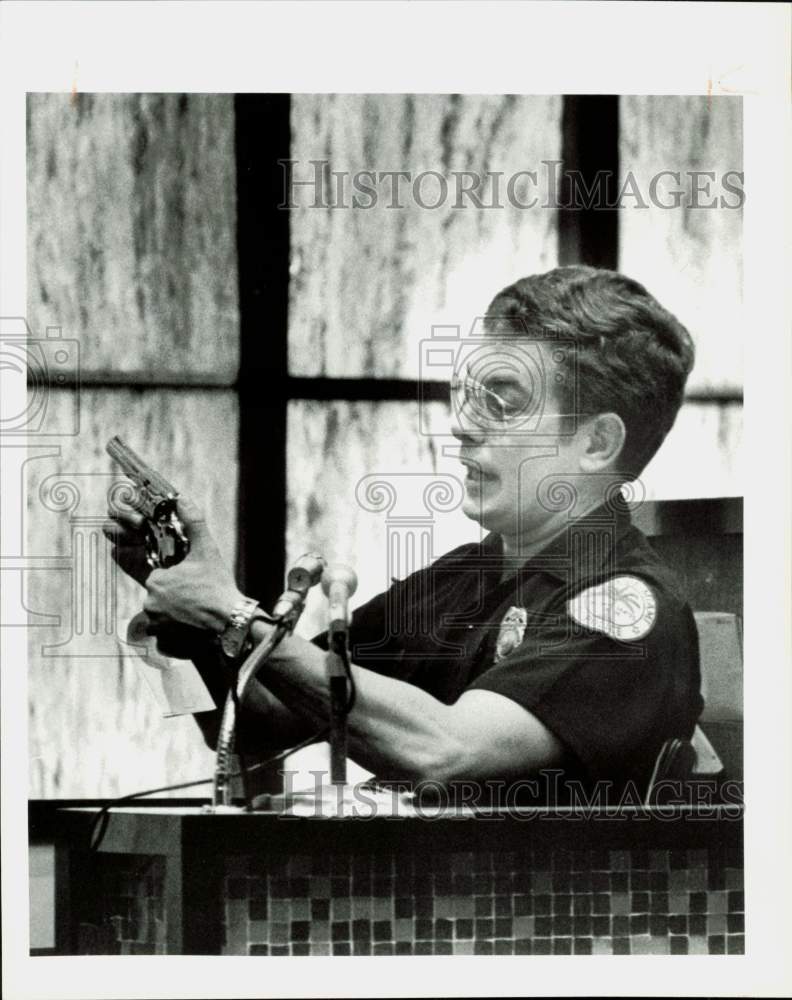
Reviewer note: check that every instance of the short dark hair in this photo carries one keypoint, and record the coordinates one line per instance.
(632, 356)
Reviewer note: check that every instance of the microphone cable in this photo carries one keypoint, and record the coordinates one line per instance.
(101, 821)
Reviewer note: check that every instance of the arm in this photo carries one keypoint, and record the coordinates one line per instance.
(395, 729)
(265, 724)
(399, 731)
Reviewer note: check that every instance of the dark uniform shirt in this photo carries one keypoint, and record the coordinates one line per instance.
(598, 643)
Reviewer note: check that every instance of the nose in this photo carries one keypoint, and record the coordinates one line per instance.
(467, 435)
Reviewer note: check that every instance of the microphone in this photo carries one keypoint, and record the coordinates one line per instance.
(303, 575)
(339, 583)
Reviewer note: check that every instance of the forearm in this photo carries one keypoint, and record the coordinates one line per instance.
(264, 724)
(395, 729)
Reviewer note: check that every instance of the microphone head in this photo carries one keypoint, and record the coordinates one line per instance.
(306, 572)
(339, 573)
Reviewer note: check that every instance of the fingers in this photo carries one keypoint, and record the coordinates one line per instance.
(132, 560)
(120, 534)
(194, 520)
(127, 515)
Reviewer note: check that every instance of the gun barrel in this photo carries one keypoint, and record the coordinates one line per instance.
(136, 468)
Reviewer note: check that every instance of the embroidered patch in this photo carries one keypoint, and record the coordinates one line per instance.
(512, 630)
(624, 608)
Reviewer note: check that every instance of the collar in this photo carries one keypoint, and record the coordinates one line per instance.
(582, 549)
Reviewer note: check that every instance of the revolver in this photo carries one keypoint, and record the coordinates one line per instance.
(166, 539)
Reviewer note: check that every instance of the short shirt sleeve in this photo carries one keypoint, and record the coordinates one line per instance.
(611, 701)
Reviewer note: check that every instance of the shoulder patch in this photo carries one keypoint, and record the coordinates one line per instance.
(624, 608)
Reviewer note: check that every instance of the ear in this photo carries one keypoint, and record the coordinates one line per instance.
(603, 441)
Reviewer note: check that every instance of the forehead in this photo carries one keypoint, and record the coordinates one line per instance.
(503, 360)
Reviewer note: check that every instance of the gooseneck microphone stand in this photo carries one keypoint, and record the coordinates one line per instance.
(339, 584)
(305, 573)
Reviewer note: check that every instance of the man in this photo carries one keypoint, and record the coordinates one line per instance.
(560, 644)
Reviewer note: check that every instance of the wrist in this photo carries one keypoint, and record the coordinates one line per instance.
(235, 630)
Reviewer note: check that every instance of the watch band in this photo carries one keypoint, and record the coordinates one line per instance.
(236, 631)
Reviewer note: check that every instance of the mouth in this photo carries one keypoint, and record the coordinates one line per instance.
(475, 474)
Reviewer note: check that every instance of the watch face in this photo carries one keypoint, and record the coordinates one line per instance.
(624, 608)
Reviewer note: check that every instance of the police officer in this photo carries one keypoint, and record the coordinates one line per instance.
(560, 644)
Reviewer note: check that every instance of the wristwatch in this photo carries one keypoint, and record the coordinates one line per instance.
(235, 634)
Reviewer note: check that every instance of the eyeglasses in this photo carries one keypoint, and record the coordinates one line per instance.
(467, 391)
(488, 408)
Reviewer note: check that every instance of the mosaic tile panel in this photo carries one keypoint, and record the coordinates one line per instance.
(124, 913)
(538, 902)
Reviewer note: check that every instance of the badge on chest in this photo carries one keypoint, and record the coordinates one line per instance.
(511, 632)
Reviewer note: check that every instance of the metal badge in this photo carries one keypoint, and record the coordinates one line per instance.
(512, 630)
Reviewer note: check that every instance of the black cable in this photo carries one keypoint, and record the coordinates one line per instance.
(341, 650)
(102, 818)
(243, 769)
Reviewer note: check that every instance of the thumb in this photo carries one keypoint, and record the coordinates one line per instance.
(194, 521)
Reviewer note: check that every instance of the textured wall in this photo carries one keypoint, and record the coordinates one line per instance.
(95, 728)
(368, 283)
(370, 464)
(131, 251)
(131, 230)
(690, 258)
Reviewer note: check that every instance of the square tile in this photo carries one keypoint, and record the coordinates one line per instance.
(383, 930)
(522, 906)
(361, 930)
(341, 930)
(320, 888)
(258, 931)
(280, 910)
(697, 945)
(717, 902)
(320, 909)
(542, 882)
(362, 907)
(300, 909)
(523, 927)
(619, 903)
(404, 930)
(716, 923)
(463, 948)
(320, 930)
(602, 946)
(279, 933)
